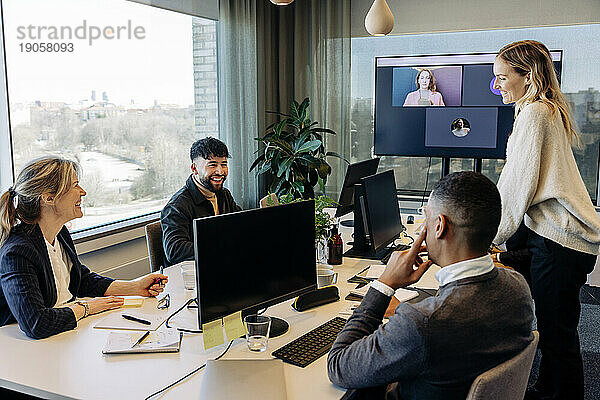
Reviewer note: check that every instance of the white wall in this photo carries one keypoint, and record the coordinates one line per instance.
(466, 15)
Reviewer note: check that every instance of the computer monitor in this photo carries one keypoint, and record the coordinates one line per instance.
(377, 220)
(454, 112)
(354, 174)
(252, 259)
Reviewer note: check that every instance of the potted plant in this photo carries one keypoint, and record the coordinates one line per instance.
(293, 154)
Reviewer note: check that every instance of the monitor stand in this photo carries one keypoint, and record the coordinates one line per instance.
(278, 327)
(347, 223)
(368, 254)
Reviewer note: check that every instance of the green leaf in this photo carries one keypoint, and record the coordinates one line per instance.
(333, 154)
(257, 161)
(322, 185)
(278, 113)
(309, 146)
(284, 166)
(324, 130)
(264, 168)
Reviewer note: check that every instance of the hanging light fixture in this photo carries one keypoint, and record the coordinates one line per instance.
(282, 2)
(379, 20)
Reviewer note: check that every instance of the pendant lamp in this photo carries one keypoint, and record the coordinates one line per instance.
(282, 2)
(379, 20)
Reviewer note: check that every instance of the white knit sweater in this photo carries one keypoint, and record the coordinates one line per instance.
(541, 183)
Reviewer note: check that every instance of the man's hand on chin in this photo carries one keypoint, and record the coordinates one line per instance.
(406, 267)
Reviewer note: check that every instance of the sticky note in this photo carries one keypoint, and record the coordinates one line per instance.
(234, 327)
(212, 334)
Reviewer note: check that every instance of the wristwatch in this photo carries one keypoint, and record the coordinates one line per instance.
(85, 306)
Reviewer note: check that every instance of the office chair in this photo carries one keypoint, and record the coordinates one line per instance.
(507, 381)
(156, 253)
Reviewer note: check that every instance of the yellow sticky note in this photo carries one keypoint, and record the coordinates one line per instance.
(234, 327)
(212, 334)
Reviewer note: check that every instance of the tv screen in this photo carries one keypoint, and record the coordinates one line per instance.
(441, 106)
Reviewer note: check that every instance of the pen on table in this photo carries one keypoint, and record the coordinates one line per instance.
(160, 281)
(140, 340)
(136, 319)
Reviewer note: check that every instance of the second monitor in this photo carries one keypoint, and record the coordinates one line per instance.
(377, 221)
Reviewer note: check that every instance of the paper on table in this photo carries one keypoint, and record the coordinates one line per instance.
(361, 291)
(375, 271)
(212, 334)
(401, 294)
(428, 280)
(350, 307)
(132, 301)
(165, 341)
(234, 327)
(404, 294)
(115, 320)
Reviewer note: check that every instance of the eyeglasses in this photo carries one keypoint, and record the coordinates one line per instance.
(164, 303)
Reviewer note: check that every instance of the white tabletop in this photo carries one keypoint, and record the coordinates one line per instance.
(71, 364)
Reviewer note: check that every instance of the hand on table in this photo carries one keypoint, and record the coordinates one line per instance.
(99, 304)
(399, 271)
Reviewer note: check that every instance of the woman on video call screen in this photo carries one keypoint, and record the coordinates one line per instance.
(426, 94)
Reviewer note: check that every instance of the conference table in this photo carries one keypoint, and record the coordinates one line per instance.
(71, 365)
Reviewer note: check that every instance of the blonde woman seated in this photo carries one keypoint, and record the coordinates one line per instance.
(41, 276)
(426, 94)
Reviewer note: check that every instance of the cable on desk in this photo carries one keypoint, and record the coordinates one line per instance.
(426, 181)
(187, 303)
(187, 375)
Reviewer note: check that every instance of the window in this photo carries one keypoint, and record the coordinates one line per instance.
(124, 88)
(580, 83)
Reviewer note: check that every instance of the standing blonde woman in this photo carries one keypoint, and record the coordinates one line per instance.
(41, 276)
(541, 187)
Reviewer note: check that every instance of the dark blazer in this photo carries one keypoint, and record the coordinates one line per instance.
(177, 216)
(27, 287)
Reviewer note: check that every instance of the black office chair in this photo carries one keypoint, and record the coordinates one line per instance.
(156, 253)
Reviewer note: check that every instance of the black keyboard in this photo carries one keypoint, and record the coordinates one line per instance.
(312, 345)
(399, 247)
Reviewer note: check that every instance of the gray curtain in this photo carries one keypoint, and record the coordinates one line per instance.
(304, 51)
(271, 55)
(236, 42)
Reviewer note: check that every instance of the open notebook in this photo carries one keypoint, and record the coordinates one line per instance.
(167, 341)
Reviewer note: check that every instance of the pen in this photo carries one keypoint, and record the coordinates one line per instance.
(160, 281)
(140, 340)
(136, 319)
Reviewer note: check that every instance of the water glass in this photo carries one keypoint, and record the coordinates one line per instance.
(188, 273)
(257, 331)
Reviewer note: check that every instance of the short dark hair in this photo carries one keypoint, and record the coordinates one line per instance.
(472, 203)
(207, 148)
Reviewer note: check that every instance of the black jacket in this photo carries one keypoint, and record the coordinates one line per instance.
(27, 287)
(177, 216)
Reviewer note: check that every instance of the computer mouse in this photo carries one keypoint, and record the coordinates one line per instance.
(410, 219)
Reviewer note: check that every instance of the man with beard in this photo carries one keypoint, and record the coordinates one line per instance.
(480, 317)
(203, 195)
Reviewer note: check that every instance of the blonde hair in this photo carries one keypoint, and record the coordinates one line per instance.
(432, 86)
(529, 57)
(49, 174)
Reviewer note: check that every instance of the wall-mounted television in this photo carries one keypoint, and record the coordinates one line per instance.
(442, 106)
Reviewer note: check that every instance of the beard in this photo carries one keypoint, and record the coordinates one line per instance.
(207, 183)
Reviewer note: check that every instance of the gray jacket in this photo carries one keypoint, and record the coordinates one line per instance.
(434, 349)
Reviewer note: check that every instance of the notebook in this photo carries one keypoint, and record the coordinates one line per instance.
(115, 320)
(166, 341)
(254, 380)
